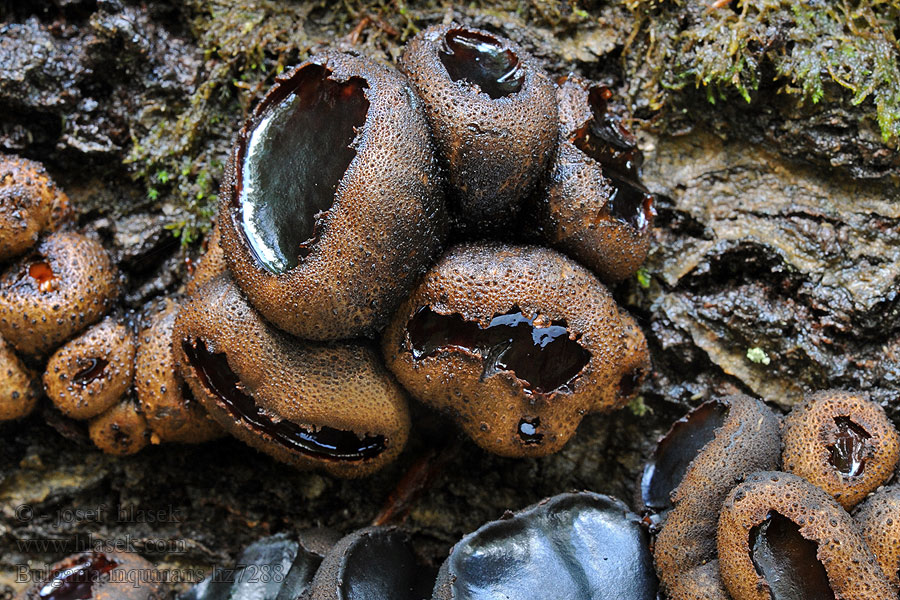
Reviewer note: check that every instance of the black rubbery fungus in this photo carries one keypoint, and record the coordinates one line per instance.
(30, 204)
(780, 537)
(493, 115)
(331, 406)
(842, 442)
(45, 298)
(375, 562)
(99, 576)
(595, 207)
(516, 343)
(694, 467)
(878, 518)
(585, 545)
(331, 206)
(19, 388)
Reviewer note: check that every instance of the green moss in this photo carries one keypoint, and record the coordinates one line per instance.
(834, 51)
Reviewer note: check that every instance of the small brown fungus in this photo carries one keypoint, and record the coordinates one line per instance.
(97, 575)
(332, 202)
(46, 298)
(782, 538)
(841, 442)
(208, 266)
(93, 371)
(517, 344)
(878, 517)
(121, 429)
(485, 97)
(331, 406)
(702, 457)
(30, 204)
(595, 206)
(19, 387)
(171, 411)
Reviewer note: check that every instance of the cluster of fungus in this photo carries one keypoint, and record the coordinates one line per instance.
(748, 508)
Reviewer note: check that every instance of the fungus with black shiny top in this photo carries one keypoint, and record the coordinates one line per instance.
(332, 202)
(694, 467)
(595, 206)
(878, 517)
(19, 385)
(99, 576)
(30, 204)
(842, 442)
(582, 545)
(171, 411)
(493, 115)
(517, 344)
(121, 429)
(91, 372)
(328, 406)
(68, 283)
(782, 538)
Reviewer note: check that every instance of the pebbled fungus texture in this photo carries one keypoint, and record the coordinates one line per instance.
(578, 545)
(695, 465)
(595, 206)
(67, 284)
(19, 387)
(165, 400)
(841, 442)
(516, 344)
(93, 371)
(120, 430)
(332, 204)
(878, 518)
(781, 537)
(208, 266)
(327, 406)
(30, 204)
(493, 114)
(99, 576)
(371, 563)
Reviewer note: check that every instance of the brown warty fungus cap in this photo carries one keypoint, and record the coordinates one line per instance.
(516, 344)
(92, 372)
(702, 457)
(30, 203)
(19, 388)
(332, 205)
(48, 296)
(595, 207)
(841, 442)
(166, 402)
(493, 114)
(878, 518)
(327, 406)
(782, 537)
(120, 430)
(210, 265)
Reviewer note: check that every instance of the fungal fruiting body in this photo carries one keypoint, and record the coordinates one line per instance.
(332, 203)
(328, 406)
(121, 429)
(843, 443)
(516, 343)
(493, 115)
(19, 389)
(878, 517)
(99, 576)
(208, 266)
(702, 457)
(30, 204)
(781, 537)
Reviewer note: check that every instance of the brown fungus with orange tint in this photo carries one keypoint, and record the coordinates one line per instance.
(782, 538)
(878, 517)
(93, 371)
(332, 202)
(595, 206)
(171, 411)
(121, 429)
(327, 406)
(67, 284)
(209, 265)
(492, 112)
(19, 385)
(702, 457)
(842, 442)
(515, 343)
(30, 204)
(97, 575)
